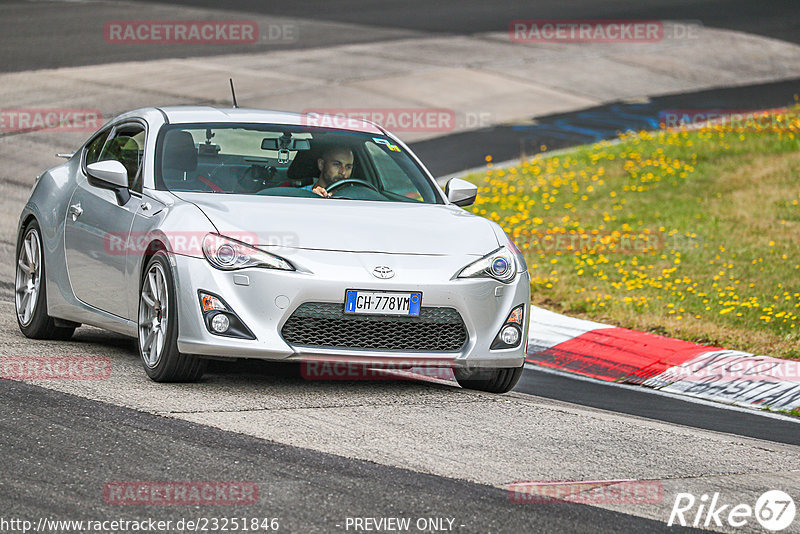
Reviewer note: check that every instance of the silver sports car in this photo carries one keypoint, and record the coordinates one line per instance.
(234, 233)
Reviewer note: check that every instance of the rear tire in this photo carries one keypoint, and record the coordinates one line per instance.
(500, 380)
(158, 327)
(30, 290)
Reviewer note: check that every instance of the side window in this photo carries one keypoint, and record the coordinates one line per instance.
(127, 147)
(392, 177)
(95, 147)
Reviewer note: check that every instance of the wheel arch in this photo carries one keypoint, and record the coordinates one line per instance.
(23, 225)
(154, 246)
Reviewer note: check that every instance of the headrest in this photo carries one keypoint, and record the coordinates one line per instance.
(304, 165)
(179, 151)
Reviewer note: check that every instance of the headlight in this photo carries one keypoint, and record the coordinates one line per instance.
(227, 254)
(499, 265)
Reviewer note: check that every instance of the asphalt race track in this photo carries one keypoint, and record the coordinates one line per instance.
(444, 155)
(306, 491)
(63, 35)
(320, 452)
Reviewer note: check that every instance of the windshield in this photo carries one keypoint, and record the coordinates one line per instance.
(289, 161)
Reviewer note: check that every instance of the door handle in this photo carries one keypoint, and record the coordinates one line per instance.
(75, 210)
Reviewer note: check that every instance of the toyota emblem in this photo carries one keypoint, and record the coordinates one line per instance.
(383, 272)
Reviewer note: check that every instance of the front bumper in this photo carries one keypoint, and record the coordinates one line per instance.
(264, 299)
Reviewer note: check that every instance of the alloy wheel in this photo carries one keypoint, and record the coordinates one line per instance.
(153, 315)
(29, 269)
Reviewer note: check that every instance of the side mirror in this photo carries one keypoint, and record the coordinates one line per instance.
(461, 192)
(110, 172)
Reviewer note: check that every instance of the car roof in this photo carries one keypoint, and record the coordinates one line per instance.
(208, 114)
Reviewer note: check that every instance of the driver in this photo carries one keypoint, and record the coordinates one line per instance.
(335, 164)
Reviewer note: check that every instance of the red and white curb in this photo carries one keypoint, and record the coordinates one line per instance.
(615, 354)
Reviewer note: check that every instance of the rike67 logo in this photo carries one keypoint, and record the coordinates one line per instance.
(774, 510)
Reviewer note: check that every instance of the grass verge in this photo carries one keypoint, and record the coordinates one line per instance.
(688, 234)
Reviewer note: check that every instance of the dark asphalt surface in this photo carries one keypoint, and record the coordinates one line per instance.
(777, 18)
(44, 34)
(59, 452)
(468, 150)
(643, 403)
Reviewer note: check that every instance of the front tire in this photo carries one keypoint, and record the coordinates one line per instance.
(30, 289)
(158, 327)
(500, 380)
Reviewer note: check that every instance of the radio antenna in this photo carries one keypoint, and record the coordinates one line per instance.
(233, 94)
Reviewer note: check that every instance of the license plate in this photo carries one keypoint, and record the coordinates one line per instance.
(382, 302)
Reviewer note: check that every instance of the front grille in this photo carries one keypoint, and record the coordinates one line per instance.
(324, 324)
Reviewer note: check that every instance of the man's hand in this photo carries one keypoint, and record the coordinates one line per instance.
(321, 191)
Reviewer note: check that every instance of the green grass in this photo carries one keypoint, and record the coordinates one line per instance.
(690, 234)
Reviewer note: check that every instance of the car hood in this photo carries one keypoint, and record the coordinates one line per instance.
(347, 225)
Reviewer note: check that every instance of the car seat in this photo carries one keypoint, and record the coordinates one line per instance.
(179, 160)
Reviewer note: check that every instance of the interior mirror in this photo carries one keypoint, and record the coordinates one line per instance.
(300, 144)
(110, 172)
(274, 143)
(461, 192)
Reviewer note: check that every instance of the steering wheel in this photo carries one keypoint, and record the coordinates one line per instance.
(351, 181)
(254, 179)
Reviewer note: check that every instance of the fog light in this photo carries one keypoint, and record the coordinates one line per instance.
(509, 335)
(220, 323)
